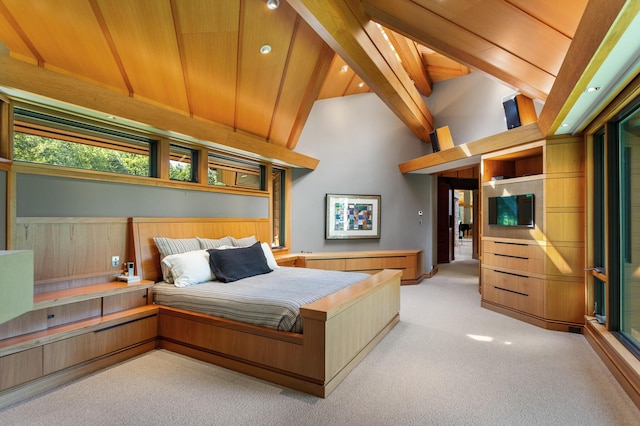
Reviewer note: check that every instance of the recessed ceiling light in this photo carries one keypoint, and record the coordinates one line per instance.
(273, 4)
(566, 124)
(344, 68)
(361, 84)
(592, 89)
(265, 49)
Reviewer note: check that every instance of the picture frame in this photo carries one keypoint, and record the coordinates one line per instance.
(352, 216)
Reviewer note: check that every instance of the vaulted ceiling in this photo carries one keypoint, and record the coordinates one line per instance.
(202, 59)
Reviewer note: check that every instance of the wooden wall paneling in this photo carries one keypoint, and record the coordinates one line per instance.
(558, 292)
(50, 245)
(564, 259)
(20, 367)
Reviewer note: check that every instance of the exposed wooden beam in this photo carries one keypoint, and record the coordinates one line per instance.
(345, 27)
(30, 78)
(575, 73)
(416, 21)
(412, 61)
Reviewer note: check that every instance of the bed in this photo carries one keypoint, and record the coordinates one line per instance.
(339, 329)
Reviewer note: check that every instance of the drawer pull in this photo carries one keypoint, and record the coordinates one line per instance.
(511, 291)
(511, 256)
(121, 324)
(511, 244)
(512, 274)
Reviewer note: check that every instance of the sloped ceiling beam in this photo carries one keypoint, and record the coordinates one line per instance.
(416, 21)
(345, 27)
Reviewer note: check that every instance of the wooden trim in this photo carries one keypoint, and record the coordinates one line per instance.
(23, 76)
(66, 172)
(622, 364)
(584, 57)
(531, 319)
(78, 294)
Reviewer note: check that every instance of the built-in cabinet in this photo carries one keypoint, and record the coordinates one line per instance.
(536, 273)
(70, 333)
(410, 262)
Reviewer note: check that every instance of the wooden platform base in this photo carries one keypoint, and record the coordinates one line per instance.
(51, 381)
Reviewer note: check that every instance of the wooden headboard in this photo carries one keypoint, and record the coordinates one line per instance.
(143, 230)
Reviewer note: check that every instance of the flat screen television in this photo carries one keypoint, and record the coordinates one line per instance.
(512, 210)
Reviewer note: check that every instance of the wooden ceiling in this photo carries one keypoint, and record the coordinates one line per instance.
(201, 58)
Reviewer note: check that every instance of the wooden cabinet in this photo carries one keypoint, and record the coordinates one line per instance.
(82, 329)
(536, 273)
(408, 261)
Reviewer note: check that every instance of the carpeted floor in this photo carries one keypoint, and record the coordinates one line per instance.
(448, 362)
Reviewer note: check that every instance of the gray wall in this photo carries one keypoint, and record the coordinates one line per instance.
(3, 210)
(50, 196)
(470, 105)
(360, 143)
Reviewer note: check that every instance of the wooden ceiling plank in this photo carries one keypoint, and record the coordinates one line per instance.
(305, 50)
(15, 38)
(345, 27)
(335, 85)
(30, 78)
(260, 75)
(559, 15)
(314, 86)
(145, 39)
(511, 29)
(52, 26)
(210, 48)
(426, 27)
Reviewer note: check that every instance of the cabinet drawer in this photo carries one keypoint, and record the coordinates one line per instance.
(515, 291)
(530, 251)
(363, 264)
(394, 262)
(68, 352)
(75, 350)
(120, 336)
(331, 264)
(21, 367)
(124, 301)
(64, 314)
(516, 263)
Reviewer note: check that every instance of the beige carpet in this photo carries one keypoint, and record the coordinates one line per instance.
(448, 362)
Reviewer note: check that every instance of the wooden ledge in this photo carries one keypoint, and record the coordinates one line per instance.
(335, 303)
(624, 366)
(79, 294)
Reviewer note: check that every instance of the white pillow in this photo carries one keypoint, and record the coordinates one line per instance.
(271, 261)
(189, 268)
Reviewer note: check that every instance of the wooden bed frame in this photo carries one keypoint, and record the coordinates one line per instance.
(339, 330)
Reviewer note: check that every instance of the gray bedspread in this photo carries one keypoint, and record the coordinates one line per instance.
(270, 300)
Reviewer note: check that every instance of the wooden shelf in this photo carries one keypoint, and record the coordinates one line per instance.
(63, 297)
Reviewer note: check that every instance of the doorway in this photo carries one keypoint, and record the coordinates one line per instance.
(458, 206)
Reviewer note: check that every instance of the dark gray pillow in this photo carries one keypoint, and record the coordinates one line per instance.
(234, 264)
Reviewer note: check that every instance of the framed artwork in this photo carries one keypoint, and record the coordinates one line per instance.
(352, 216)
